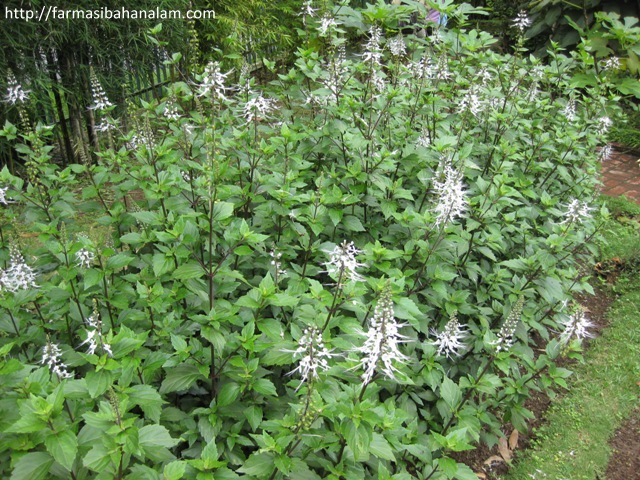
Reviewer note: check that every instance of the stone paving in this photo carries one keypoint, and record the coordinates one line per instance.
(621, 175)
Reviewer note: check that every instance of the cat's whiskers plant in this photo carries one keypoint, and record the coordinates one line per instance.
(462, 209)
(342, 266)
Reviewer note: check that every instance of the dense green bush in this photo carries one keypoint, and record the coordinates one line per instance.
(349, 273)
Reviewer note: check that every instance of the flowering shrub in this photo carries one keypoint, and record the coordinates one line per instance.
(351, 272)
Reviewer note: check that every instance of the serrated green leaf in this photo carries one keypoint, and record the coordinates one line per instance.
(265, 387)
(228, 394)
(253, 415)
(188, 270)
(352, 223)
(222, 210)
(381, 448)
(258, 465)
(148, 399)
(174, 470)
(98, 382)
(450, 393)
(180, 378)
(63, 447)
(32, 466)
(142, 472)
(161, 264)
(156, 436)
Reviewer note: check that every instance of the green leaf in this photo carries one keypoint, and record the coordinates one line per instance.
(406, 309)
(142, 472)
(162, 264)
(222, 210)
(180, 378)
(28, 423)
(448, 466)
(118, 261)
(450, 393)
(98, 458)
(258, 465)
(352, 223)
(358, 439)
(92, 277)
(463, 472)
(156, 436)
(32, 466)
(148, 399)
(265, 387)
(283, 300)
(174, 470)
(98, 382)
(629, 86)
(131, 238)
(188, 270)
(210, 456)
(253, 415)
(126, 341)
(63, 447)
(228, 394)
(149, 218)
(381, 448)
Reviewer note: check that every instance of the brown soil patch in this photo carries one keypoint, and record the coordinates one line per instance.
(625, 445)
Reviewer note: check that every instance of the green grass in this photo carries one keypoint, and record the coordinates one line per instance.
(573, 442)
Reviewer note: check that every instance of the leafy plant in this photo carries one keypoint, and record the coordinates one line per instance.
(344, 274)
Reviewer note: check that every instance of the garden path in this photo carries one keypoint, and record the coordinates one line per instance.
(621, 175)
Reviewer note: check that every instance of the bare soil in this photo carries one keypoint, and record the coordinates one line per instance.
(625, 445)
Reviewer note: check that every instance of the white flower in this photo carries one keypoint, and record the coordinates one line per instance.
(15, 92)
(485, 76)
(51, 357)
(277, 263)
(442, 69)
(522, 21)
(449, 341)
(3, 195)
(423, 68)
(213, 82)
(104, 126)
(140, 139)
(603, 125)
(171, 110)
(612, 63)
(577, 211)
(378, 82)
(257, 107)
(326, 24)
(85, 258)
(100, 99)
(372, 53)
(313, 355)
(424, 140)
(381, 346)
(397, 46)
(95, 338)
(570, 110)
(451, 196)
(508, 329)
(19, 275)
(577, 325)
(307, 9)
(605, 153)
(471, 102)
(343, 264)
